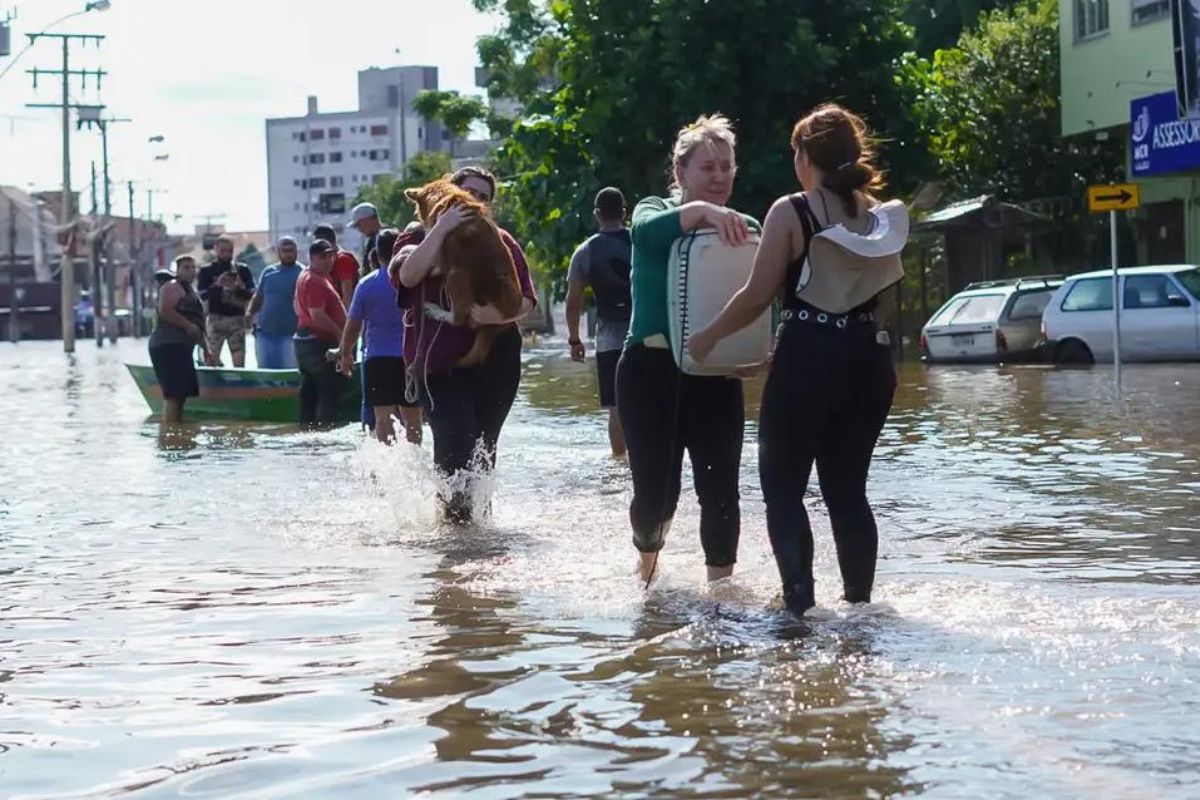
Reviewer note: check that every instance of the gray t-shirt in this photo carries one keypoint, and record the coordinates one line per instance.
(610, 333)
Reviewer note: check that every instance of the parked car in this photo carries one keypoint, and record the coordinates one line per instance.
(1160, 316)
(990, 321)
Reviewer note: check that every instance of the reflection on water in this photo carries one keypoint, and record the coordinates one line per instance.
(228, 610)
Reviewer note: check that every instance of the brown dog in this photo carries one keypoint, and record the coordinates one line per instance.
(477, 265)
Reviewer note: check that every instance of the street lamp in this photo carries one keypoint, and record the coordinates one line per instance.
(92, 5)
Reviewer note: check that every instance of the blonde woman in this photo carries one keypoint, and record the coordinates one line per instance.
(662, 411)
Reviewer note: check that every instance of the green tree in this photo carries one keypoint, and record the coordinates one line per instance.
(455, 111)
(388, 194)
(607, 83)
(993, 112)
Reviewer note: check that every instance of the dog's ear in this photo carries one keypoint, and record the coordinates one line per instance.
(414, 194)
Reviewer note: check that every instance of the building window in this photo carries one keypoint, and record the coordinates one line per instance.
(380, 155)
(1091, 18)
(301, 136)
(335, 133)
(296, 183)
(335, 181)
(316, 183)
(317, 134)
(316, 158)
(379, 130)
(1149, 10)
(333, 203)
(379, 178)
(335, 157)
(295, 159)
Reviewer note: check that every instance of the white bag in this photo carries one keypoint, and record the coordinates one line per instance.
(702, 276)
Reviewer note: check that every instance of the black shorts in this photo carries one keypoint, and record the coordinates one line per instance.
(606, 372)
(383, 382)
(175, 370)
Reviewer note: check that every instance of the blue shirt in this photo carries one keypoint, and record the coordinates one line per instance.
(374, 304)
(277, 285)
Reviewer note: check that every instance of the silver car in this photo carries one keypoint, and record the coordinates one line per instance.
(990, 321)
(1160, 316)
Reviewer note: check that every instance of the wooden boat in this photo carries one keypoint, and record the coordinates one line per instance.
(266, 395)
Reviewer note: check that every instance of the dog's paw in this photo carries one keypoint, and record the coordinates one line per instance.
(438, 314)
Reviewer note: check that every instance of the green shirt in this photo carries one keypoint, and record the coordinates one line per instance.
(655, 228)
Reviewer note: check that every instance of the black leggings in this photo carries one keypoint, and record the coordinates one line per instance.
(466, 409)
(708, 421)
(320, 383)
(826, 400)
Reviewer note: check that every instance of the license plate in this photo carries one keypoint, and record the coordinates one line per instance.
(963, 340)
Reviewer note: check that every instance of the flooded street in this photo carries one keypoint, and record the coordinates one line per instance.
(253, 611)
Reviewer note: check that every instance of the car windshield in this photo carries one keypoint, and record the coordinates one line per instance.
(1030, 305)
(980, 308)
(1191, 281)
(948, 311)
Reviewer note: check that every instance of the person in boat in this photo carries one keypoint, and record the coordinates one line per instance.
(226, 287)
(272, 302)
(375, 314)
(664, 412)
(466, 406)
(831, 383)
(602, 262)
(180, 329)
(321, 318)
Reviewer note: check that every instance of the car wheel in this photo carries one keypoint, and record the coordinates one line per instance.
(1074, 351)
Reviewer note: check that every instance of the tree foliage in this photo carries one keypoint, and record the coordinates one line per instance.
(388, 195)
(455, 111)
(991, 106)
(607, 83)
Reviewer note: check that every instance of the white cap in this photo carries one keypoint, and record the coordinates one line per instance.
(362, 211)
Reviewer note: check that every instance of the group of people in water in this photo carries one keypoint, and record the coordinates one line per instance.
(828, 390)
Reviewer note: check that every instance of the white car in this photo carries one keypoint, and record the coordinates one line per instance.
(1160, 316)
(989, 321)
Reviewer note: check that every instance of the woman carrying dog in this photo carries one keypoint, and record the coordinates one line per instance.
(466, 406)
(662, 410)
(831, 383)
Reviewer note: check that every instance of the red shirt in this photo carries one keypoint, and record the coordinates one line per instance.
(345, 268)
(315, 291)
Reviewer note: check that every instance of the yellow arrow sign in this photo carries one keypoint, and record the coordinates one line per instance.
(1114, 197)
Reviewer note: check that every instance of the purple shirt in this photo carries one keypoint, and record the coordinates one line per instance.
(443, 344)
(374, 304)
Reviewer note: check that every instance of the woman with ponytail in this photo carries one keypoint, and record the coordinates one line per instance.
(831, 382)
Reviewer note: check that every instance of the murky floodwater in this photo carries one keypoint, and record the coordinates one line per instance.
(249, 611)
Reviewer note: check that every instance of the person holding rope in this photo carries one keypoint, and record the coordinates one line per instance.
(831, 383)
(663, 411)
(466, 406)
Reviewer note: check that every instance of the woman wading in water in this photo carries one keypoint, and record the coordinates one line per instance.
(663, 411)
(831, 383)
(179, 330)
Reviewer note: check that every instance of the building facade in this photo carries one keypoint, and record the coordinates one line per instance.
(1117, 66)
(317, 163)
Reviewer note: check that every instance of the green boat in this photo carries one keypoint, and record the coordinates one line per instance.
(264, 395)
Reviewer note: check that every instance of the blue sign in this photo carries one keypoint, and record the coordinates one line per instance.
(1159, 140)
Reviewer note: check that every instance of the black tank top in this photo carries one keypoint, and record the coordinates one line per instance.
(811, 226)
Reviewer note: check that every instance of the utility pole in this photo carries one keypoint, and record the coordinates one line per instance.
(97, 281)
(14, 330)
(68, 265)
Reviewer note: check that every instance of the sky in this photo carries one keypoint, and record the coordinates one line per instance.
(205, 75)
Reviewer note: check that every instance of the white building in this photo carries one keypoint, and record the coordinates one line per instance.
(317, 163)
